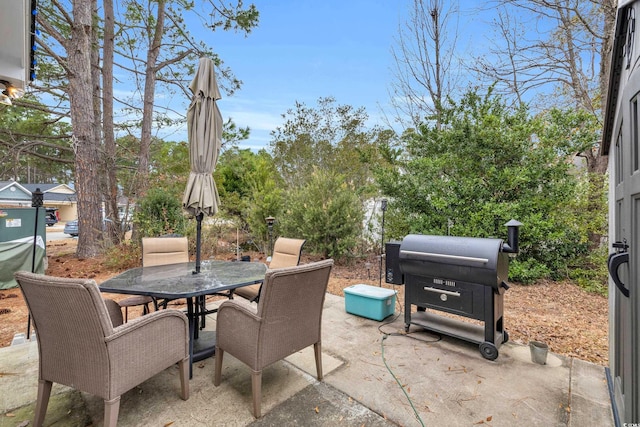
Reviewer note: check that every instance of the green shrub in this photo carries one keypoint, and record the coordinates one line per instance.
(159, 213)
(325, 212)
(527, 271)
(591, 273)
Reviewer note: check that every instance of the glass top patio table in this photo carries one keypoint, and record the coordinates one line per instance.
(177, 281)
(174, 281)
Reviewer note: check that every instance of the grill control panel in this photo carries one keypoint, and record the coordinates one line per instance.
(444, 282)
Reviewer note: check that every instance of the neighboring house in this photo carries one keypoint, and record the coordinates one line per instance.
(60, 196)
(621, 142)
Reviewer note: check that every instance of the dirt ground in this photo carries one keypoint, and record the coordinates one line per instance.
(571, 321)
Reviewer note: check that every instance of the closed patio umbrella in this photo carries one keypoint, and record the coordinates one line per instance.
(204, 127)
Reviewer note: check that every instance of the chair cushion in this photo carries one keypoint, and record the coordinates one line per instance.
(286, 252)
(164, 250)
(135, 300)
(250, 292)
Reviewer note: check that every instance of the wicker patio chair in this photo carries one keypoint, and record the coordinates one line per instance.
(286, 320)
(83, 344)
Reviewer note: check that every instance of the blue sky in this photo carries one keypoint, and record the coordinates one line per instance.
(303, 50)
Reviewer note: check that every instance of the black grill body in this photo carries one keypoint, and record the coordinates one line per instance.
(465, 276)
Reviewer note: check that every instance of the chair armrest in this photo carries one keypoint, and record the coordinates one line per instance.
(238, 329)
(145, 346)
(152, 323)
(244, 307)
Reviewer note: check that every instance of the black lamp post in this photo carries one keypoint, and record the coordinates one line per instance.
(270, 220)
(37, 199)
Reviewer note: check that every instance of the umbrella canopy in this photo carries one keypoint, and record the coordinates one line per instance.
(204, 127)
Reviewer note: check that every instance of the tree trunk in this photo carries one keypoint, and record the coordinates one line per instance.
(82, 119)
(110, 182)
(147, 109)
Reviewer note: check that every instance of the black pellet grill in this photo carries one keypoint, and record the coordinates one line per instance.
(466, 276)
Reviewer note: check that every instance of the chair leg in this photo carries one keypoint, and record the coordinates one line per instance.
(317, 349)
(183, 366)
(218, 369)
(256, 389)
(126, 314)
(44, 391)
(111, 409)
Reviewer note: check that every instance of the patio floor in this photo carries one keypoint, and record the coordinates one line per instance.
(444, 382)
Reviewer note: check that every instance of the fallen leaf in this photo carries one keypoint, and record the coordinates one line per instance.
(169, 423)
(317, 410)
(489, 418)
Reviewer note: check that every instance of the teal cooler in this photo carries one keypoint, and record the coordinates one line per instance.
(369, 301)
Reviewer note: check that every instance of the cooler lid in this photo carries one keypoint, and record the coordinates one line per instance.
(369, 291)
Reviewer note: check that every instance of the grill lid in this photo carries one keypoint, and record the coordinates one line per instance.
(468, 259)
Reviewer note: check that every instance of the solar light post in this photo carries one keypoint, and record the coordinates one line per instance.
(270, 221)
(37, 199)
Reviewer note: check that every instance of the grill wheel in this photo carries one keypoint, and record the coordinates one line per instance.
(489, 351)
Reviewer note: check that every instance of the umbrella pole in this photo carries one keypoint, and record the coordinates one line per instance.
(198, 234)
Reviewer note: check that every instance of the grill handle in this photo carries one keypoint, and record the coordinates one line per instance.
(441, 291)
(430, 256)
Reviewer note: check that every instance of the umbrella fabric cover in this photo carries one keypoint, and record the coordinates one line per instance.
(204, 127)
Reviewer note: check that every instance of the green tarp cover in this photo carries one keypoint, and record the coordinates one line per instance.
(17, 255)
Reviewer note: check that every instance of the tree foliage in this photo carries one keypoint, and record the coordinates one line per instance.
(488, 164)
(148, 45)
(326, 212)
(34, 147)
(320, 150)
(250, 190)
(558, 51)
(159, 213)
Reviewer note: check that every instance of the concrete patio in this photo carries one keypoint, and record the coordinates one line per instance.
(370, 379)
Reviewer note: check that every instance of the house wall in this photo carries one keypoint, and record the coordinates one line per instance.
(14, 196)
(67, 213)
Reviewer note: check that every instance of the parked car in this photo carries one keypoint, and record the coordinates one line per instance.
(71, 227)
(50, 217)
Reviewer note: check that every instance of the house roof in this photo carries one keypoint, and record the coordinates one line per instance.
(11, 190)
(23, 192)
(50, 188)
